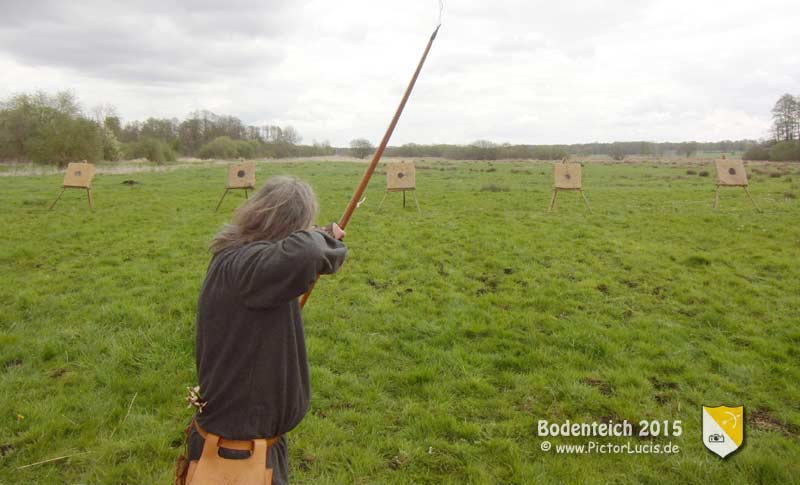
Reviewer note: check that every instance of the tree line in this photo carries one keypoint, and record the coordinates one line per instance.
(55, 129)
(784, 143)
(487, 150)
(46, 128)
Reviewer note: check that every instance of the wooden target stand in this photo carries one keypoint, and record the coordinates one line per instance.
(731, 173)
(567, 176)
(79, 175)
(401, 177)
(240, 176)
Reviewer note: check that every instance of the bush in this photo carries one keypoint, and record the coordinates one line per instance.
(152, 149)
(757, 152)
(65, 140)
(219, 147)
(785, 151)
(225, 147)
(247, 148)
(703, 173)
(281, 149)
(47, 129)
(549, 153)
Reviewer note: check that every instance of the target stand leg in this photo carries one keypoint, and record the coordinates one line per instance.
(404, 199)
(416, 201)
(553, 200)
(383, 199)
(716, 197)
(57, 198)
(751, 199)
(585, 201)
(221, 199)
(245, 194)
(89, 197)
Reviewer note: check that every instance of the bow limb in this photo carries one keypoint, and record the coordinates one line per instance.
(362, 186)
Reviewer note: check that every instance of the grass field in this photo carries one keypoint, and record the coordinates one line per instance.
(444, 339)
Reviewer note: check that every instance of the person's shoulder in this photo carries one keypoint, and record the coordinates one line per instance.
(237, 252)
(303, 241)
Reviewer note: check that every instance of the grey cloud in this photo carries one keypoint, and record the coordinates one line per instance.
(152, 42)
(516, 71)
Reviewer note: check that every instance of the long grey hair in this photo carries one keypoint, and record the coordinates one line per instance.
(282, 206)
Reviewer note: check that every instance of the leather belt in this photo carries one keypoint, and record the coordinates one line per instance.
(241, 445)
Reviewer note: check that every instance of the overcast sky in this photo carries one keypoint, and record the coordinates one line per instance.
(518, 71)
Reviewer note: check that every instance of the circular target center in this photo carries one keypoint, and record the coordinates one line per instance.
(732, 171)
(77, 173)
(240, 173)
(401, 175)
(567, 176)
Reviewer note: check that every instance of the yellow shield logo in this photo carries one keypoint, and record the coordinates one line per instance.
(723, 429)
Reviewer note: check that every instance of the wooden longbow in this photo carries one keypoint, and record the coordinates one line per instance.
(362, 186)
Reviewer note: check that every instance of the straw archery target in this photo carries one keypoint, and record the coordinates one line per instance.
(79, 175)
(242, 175)
(731, 172)
(567, 175)
(401, 176)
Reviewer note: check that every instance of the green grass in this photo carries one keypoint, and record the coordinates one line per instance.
(443, 340)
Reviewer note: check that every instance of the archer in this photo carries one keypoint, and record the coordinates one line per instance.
(251, 352)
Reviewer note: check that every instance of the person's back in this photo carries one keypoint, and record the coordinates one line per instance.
(251, 357)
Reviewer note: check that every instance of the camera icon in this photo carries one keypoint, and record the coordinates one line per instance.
(716, 438)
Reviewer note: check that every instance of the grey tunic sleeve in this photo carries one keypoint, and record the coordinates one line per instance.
(271, 273)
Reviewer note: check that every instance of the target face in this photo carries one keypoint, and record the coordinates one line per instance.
(731, 172)
(79, 174)
(401, 176)
(242, 175)
(567, 175)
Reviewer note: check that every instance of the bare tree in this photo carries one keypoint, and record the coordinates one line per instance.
(688, 148)
(786, 118)
(290, 135)
(617, 151)
(797, 117)
(102, 111)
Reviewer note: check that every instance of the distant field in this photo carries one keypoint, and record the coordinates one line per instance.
(444, 339)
